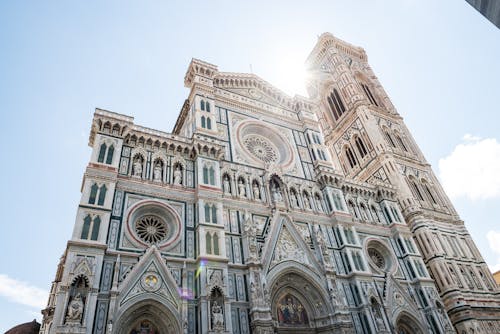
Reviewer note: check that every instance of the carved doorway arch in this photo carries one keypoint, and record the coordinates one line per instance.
(297, 303)
(408, 325)
(147, 317)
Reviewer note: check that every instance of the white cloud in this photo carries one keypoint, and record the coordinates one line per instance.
(494, 241)
(472, 169)
(22, 293)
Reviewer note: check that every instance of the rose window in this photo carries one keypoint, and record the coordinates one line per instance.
(376, 257)
(151, 229)
(261, 148)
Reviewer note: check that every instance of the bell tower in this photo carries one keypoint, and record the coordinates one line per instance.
(368, 136)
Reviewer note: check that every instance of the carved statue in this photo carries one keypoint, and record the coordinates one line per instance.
(276, 192)
(256, 191)
(242, 190)
(226, 185)
(157, 172)
(75, 309)
(177, 176)
(293, 200)
(217, 316)
(137, 167)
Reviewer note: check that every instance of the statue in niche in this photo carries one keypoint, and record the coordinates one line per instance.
(276, 192)
(177, 176)
(256, 191)
(217, 316)
(293, 199)
(138, 167)
(157, 172)
(226, 185)
(319, 204)
(241, 189)
(307, 201)
(75, 309)
(250, 230)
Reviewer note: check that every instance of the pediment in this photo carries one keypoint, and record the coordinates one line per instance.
(150, 276)
(286, 243)
(252, 87)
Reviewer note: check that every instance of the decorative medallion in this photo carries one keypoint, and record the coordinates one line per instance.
(255, 94)
(150, 282)
(151, 229)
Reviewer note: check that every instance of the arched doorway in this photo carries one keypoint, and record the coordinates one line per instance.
(298, 304)
(408, 325)
(147, 317)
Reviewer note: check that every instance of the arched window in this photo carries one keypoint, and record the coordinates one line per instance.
(208, 107)
(395, 214)
(203, 122)
(415, 190)
(214, 214)
(211, 175)
(369, 94)
(205, 174)
(209, 123)
(208, 243)
(207, 213)
(364, 212)
(216, 244)
(202, 105)
(388, 216)
(401, 143)
(95, 228)
(86, 227)
(109, 157)
(389, 138)
(102, 153)
(361, 147)
(429, 193)
(93, 193)
(352, 208)
(351, 157)
(102, 195)
(375, 216)
(336, 105)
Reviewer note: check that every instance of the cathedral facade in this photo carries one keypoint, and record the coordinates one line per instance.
(263, 213)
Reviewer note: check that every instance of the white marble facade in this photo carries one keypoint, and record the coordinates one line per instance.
(264, 213)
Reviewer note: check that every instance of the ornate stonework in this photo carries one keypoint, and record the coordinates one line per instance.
(263, 213)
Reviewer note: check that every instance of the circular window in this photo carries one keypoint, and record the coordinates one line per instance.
(153, 223)
(261, 148)
(263, 144)
(376, 257)
(151, 229)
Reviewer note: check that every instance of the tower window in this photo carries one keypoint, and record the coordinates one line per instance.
(90, 227)
(102, 153)
(203, 122)
(336, 105)
(369, 94)
(350, 157)
(102, 195)
(209, 123)
(361, 147)
(93, 193)
(401, 143)
(109, 157)
(416, 191)
(389, 138)
(202, 105)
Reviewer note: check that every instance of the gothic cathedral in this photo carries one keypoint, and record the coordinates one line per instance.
(263, 213)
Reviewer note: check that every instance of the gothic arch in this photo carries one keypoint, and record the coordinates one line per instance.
(294, 284)
(407, 324)
(150, 309)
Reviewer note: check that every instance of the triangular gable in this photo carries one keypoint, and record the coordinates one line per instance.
(397, 298)
(150, 275)
(285, 243)
(253, 87)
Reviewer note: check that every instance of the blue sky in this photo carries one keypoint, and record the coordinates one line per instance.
(438, 61)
